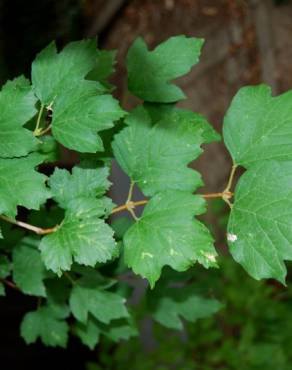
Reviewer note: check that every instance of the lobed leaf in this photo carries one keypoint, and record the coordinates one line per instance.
(167, 234)
(53, 73)
(260, 224)
(28, 268)
(47, 324)
(21, 185)
(88, 299)
(173, 304)
(156, 156)
(17, 107)
(258, 126)
(150, 72)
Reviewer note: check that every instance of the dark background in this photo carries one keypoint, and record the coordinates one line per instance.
(247, 42)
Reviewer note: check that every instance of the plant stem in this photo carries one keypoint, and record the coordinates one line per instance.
(68, 276)
(24, 225)
(230, 180)
(124, 207)
(128, 206)
(45, 130)
(37, 127)
(9, 284)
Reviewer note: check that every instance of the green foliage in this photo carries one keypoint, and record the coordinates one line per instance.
(260, 221)
(258, 126)
(167, 234)
(21, 184)
(251, 332)
(149, 73)
(78, 262)
(17, 104)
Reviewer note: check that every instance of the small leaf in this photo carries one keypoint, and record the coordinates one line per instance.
(172, 304)
(260, 224)
(150, 72)
(88, 333)
(28, 268)
(46, 324)
(5, 267)
(17, 106)
(103, 305)
(167, 234)
(21, 185)
(257, 126)
(116, 330)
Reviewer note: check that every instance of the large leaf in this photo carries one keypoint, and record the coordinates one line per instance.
(21, 185)
(54, 73)
(150, 72)
(79, 114)
(17, 106)
(167, 234)
(82, 237)
(83, 183)
(156, 156)
(260, 224)
(258, 126)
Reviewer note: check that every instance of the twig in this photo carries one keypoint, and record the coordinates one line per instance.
(24, 225)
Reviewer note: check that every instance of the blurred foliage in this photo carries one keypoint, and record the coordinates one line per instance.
(252, 332)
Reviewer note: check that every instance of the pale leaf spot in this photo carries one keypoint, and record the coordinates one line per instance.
(173, 252)
(146, 254)
(211, 257)
(231, 237)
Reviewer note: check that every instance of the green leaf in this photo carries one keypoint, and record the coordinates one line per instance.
(170, 112)
(105, 66)
(53, 73)
(28, 268)
(90, 332)
(260, 224)
(86, 298)
(80, 114)
(83, 182)
(150, 72)
(21, 185)
(156, 156)
(17, 106)
(167, 234)
(47, 324)
(82, 236)
(5, 267)
(49, 148)
(172, 304)
(257, 126)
